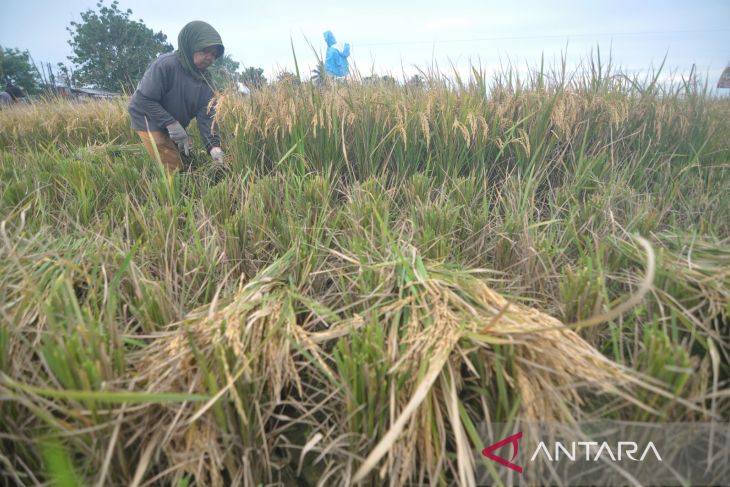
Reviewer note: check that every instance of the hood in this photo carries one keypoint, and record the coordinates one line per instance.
(329, 38)
(196, 36)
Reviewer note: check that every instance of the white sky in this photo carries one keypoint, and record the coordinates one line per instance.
(391, 36)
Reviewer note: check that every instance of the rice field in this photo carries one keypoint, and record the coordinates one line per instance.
(374, 271)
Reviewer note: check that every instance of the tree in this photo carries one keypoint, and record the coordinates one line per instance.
(287, 78)
(416, 81)
(224, 71)
(375, 79)
(112, 51)
(66, 76)
(16, 68)
(253, 78)
(386, 79)
(319, 74)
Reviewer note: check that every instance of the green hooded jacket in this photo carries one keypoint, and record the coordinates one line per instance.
(196, 36)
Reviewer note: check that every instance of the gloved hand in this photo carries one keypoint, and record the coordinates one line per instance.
(180, 137)
(217, 154)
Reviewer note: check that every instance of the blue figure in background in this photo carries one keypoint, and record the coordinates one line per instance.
(336, 61)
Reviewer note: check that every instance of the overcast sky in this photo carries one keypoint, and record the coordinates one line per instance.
(391, 36)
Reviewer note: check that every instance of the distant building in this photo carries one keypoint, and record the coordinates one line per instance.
(92, 93)
(724, 78)
(83, 93)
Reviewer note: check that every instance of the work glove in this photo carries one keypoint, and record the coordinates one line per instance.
(217, 154)
(180, 137)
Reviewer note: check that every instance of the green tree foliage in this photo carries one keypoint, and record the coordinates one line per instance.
(319, 74)
(224, 72)
(287, 78)
(386, 80)
(65, 76)
(253, 78)
(16, 67)
(111, 50)
(416, 81)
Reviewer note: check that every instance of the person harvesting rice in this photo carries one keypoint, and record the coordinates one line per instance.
(11, 95)
(175, 89)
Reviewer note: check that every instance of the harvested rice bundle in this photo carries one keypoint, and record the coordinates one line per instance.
(441, 333)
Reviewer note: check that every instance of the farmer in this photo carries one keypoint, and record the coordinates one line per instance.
(11, 95)
(175, 88)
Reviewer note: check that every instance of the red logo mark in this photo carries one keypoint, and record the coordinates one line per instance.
(514, 440)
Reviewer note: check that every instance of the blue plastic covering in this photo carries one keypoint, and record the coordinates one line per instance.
(336, 61)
